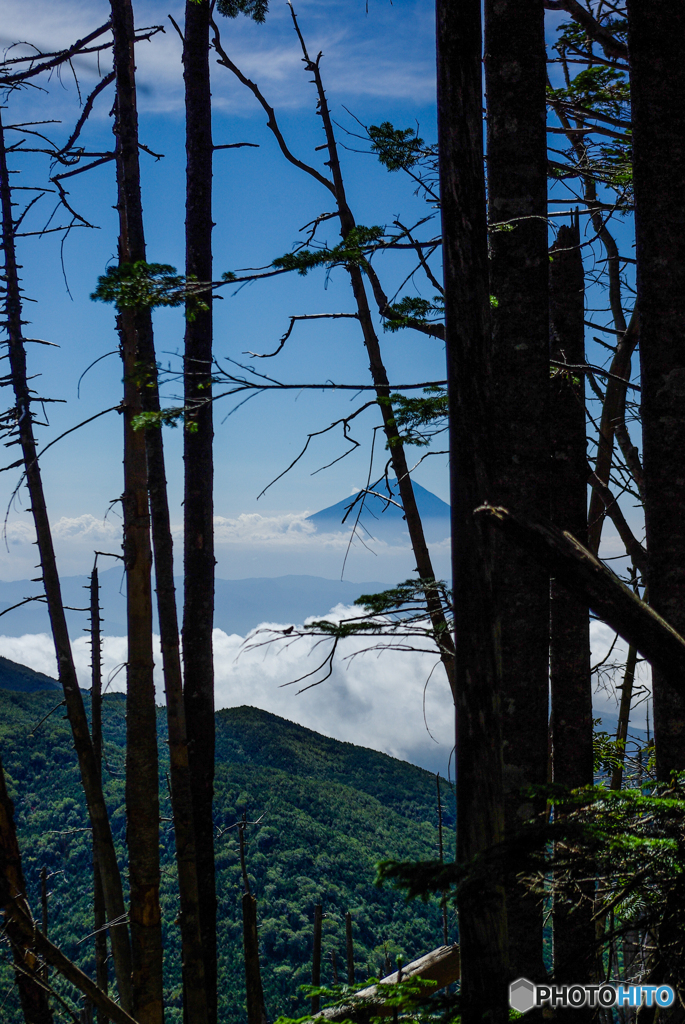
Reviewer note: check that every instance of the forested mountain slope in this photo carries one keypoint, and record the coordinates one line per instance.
(326, 812)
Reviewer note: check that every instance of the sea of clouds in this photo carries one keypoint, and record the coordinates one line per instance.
(390, 700)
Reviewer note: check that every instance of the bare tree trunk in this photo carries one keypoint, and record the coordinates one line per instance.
(90, 778)
(256, 1011)
(624, 715)
(142, 788)
(570, 680)
(480, 800)
(515, 84)
(612, 419)
(349, 948)
(658, 118)
(33, 994)
(194, 993)
(198, 509)
(99, 913)
(316, 956)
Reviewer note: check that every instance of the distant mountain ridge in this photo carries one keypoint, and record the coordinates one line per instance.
(240, 604)
(22, 679)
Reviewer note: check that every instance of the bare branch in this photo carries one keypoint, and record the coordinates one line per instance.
(272, 123)
(293, 321)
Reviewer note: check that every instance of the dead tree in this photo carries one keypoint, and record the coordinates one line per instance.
(27, 940)
(142, 789)
(316, 956)
(397, 454)
(254, 992)
(28, 973)
(23, 419)
(99, 912)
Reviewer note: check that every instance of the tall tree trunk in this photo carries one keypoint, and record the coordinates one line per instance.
(480, 800)
(570, 680)
(656, 28)
(194, 992)
(256, 1010)
(99, 912)
(515, 83)
(198, 509)
(142, 788)
(33, 994)
(90, 777)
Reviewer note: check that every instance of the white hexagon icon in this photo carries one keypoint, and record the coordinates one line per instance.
(522, 995)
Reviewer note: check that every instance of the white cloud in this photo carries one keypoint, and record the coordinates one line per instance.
(376, 699)
(290, 528)
(75, 539)
(609, 654)
(388, 54)
(246, 545)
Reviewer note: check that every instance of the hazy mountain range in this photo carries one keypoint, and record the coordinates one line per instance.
(241, 604)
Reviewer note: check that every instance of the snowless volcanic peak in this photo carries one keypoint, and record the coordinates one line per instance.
(384, 519)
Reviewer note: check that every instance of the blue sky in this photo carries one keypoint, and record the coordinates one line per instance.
(377, 65)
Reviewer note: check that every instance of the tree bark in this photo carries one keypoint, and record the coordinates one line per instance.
(195, 995)
(515, 85)
(198, 509)
(570, 677)
(480, 801)
(657, 70)
(92, 786)
(613, 416)
(142, 788)
(624, 716)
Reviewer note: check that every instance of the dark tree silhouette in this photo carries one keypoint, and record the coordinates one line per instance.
(657, 73)
(480, 805)
(198, 508)
(515, 81)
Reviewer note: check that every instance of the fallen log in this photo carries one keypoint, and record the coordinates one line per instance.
(591, 581)
(441, 966)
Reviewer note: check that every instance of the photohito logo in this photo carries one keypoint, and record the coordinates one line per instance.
(524, 995)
